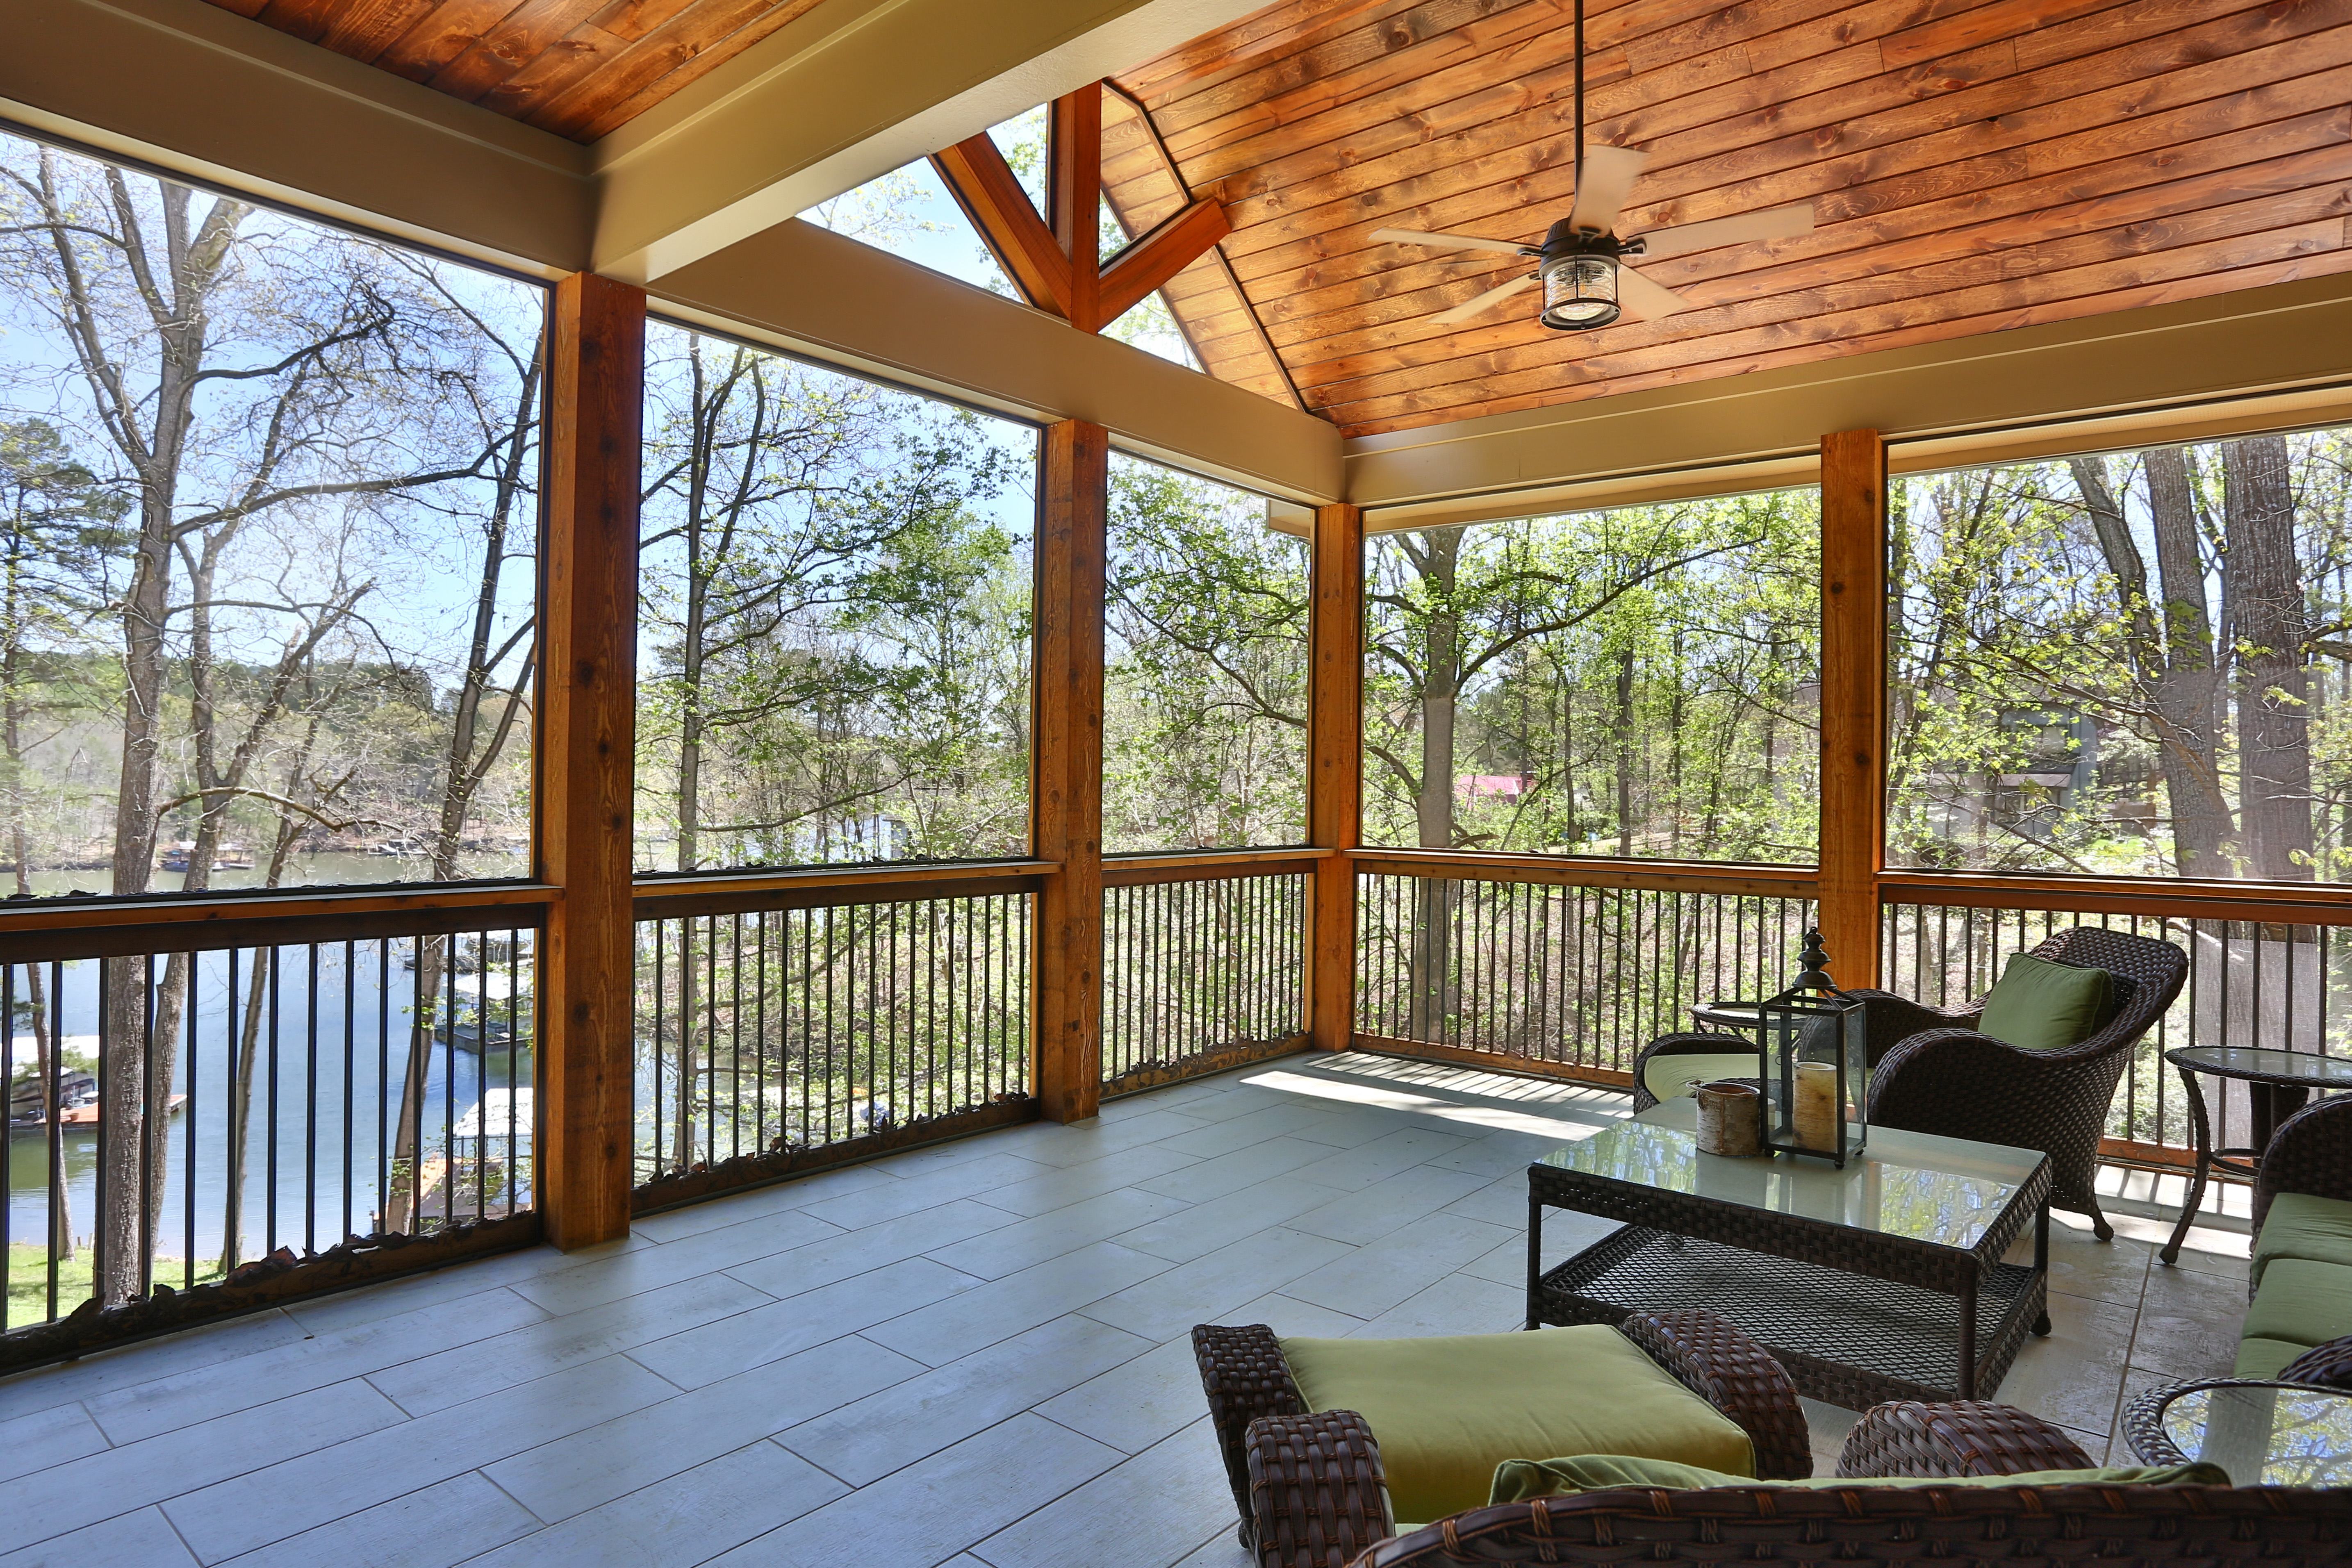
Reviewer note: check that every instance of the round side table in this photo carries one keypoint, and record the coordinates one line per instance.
(2278, 1083)
(2263, 1433)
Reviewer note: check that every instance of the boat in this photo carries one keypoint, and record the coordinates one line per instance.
(77, 1106)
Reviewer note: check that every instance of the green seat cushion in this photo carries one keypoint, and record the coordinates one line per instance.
(1447, 1411)
(2039, 1006)
(2264, 1358)
(1668, 1077)
(2302, 1302)
(2301, 1225)
(1516, 1481)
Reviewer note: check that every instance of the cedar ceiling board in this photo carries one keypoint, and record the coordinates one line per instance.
(2009, 202)
(577, 68)
(1977, 165)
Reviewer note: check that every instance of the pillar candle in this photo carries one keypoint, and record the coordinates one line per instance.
(1816, 1111)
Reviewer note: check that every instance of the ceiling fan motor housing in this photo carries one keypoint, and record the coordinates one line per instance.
(1579, 277)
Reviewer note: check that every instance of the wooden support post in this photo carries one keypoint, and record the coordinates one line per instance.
(1335, 769)
(587, 745)
(1854, 701)
(1067, 1035)
(1074, 199)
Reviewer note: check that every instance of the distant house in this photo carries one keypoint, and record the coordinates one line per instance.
(1505, 787)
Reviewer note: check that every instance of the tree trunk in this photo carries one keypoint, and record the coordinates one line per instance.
(1435, 898)
(2185, 695)
(1624, 698)
(2273, 688)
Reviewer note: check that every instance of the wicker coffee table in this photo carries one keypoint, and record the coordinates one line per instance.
(1881, 1282)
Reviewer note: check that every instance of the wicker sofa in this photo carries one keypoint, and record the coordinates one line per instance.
(2300, 1278)
(1314, 1494)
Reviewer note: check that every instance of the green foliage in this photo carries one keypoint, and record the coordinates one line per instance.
(1638, 681)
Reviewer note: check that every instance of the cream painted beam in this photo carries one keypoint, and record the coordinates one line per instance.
(205, 92)
(804, 288)
(854, 90)
(2132, 377)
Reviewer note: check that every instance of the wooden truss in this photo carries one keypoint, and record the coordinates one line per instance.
(1053, 258)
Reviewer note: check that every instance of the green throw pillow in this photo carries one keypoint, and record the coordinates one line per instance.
(1516, 1481)
(2043, 1007)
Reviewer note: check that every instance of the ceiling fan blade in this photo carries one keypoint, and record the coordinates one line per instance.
(1457, 241)
(1602, 185)
(1772, 222)
(1495, 296)
(1649, 300)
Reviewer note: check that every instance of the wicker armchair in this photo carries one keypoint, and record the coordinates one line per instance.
(1930, 1072)
(1310, 1488)
(1317, 1480)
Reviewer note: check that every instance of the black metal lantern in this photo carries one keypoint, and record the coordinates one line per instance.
(1579, 277)
(1813, 1052)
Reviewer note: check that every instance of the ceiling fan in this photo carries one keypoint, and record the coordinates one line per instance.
(1580, 261)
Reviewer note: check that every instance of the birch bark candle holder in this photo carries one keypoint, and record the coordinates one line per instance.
(1731, 1119)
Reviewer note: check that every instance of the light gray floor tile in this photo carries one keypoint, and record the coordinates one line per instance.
(1389, 1205)
(950, 1330)
(437, 1381)
(806, 1269)
(47, 1437)
(1247, 1131)
(185, 1398)
(1156, 1505)
(1206, 1227)
(1503, 1201)
(914, 1419)
(650, 1268)
(1289, 1316)
(1458, 1304)
(1827, 1426)
(264, 1505)
(2114, 1271)
(929, 1512)
(433, 1527)
(736, 1344)
(1090, 1141)
(2189, 1323)
(46, 1388)
(83, 1491)
(1068, 1185)
(927, 1186)
(1376, 1159)
(1034, 1241)
(140, 1540)
(743, 1207)
(2073, 1376)
(686, 1520)
(1371, 1280)
(1206, 1289)
(339, 1314)
(598, 1464)
(1244, 1168)
(1137, 1405)
(1222, 1550)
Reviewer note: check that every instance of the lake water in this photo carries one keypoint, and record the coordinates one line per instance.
(332, 1037)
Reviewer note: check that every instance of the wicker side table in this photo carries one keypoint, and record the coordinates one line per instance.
(2263, 1433)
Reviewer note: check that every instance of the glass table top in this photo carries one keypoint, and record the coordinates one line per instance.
(2251, 1062)
(1944, 1191)
(2266, 1435)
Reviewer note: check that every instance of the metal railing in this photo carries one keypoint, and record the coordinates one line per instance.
(768, 1032)
(176, 1116)
(1582, 976)
(1202, 973)
(2284, 986)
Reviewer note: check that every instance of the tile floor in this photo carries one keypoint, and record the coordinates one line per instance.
(974, 1355)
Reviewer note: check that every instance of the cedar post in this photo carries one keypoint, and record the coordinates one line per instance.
(1074, 198)
(1335, 769)
(587, 748)
(1071, 495)
(1854, 701)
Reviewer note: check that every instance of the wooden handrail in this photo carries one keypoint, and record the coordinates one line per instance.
(2305, 904)
(1581, 871)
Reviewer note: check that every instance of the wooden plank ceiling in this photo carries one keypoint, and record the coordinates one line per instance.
(1975, 165)
(578, 68)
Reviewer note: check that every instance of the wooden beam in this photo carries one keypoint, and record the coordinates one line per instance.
(1854, 701)
(1074, 198)
(983, 185)
(1147, 262)
(587, 743)
(1335, 768)
(1066, 1033)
